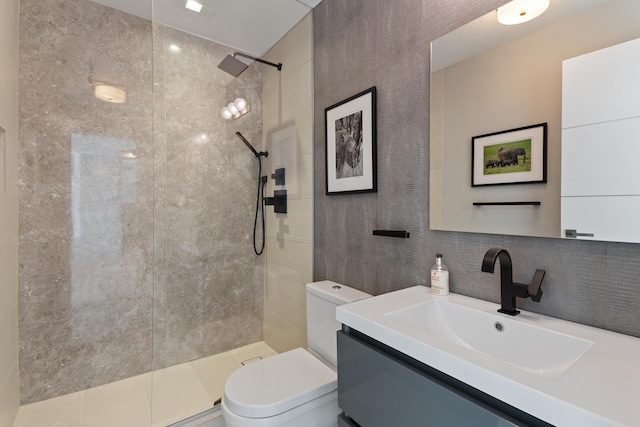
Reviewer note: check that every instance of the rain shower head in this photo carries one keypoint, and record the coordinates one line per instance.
(235, 67)
(250, 147)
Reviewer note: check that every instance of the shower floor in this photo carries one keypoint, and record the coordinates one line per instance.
(155, 399)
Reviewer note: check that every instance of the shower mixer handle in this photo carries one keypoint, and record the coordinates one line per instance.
(278, 201)
(278, 176)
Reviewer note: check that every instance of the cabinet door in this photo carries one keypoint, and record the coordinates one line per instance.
(613, 218)
(601, 144)
(601, 86)
(378, 390)
(602, 159)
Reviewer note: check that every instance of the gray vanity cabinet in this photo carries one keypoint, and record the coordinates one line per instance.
(380, 387)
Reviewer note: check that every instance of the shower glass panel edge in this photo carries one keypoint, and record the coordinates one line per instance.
(208, 283)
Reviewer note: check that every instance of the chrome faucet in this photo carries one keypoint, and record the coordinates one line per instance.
(508, 289)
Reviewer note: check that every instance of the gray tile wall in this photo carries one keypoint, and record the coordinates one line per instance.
(359, 44)
(85, 228)
(208, 283)
(111, 249)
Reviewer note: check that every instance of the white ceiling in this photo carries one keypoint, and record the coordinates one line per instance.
(250, 26)
(486, 33)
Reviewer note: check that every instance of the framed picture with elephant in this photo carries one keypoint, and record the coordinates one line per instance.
(514, 156)
(351, 144)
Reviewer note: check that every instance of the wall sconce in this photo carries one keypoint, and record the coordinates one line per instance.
(110, 93)
(520, 11)
(235, 109)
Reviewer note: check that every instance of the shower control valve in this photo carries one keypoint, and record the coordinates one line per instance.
(278, 201)
(278, 176)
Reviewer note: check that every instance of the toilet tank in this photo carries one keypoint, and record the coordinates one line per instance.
(322, 299)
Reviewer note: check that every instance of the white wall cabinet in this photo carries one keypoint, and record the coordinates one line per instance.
(600, 191)
(601, 86)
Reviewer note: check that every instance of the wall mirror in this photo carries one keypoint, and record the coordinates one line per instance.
(490, 78)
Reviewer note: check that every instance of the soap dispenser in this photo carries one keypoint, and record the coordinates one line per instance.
(439, 277)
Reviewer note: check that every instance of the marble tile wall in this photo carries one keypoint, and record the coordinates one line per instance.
(135, 218)
(288, 122)
(209, 297)
(359, 44)
(86, 218)
(9, 389)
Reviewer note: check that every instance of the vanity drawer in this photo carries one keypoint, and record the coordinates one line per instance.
(345, 422)
(376, 388)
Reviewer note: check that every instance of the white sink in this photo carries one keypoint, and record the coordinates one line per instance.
(534, 349)
(561, 372)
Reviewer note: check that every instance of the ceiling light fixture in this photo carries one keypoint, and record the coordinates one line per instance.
(235, 109)
(520, 11)
(108, 93)
(194, 5)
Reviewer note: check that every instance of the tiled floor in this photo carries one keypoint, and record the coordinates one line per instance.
(158, 399)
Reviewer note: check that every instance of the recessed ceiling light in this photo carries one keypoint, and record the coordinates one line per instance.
(194, 5)
(174, 48)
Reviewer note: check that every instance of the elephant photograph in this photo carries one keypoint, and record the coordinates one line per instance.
(515, 156)
(508, 157)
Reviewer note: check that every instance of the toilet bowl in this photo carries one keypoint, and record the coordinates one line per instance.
(290, 389)
(298, 387)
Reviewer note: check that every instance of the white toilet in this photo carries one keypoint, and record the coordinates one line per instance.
(299, 387)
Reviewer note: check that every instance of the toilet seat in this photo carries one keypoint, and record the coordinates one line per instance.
(278, 384)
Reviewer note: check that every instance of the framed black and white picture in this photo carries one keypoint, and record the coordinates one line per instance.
(351, 144)
(514, 156)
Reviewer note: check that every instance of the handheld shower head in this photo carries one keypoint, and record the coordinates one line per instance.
(262, 180)
(250, 147)
(235, 67)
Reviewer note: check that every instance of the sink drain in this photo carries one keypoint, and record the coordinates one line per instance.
(499, 326)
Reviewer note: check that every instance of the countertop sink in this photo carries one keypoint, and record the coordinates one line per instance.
(537, 350)
(564, 373)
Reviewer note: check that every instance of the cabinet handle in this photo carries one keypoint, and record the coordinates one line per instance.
(574, 233)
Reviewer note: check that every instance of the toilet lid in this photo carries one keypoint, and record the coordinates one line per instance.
(277, 384)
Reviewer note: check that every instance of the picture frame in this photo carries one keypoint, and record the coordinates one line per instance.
(350, 145)
(514, 156)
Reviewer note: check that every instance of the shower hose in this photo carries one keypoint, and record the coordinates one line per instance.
(259, 205)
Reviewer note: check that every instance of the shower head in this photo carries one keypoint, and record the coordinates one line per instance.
(250, 147)
(235, 67)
